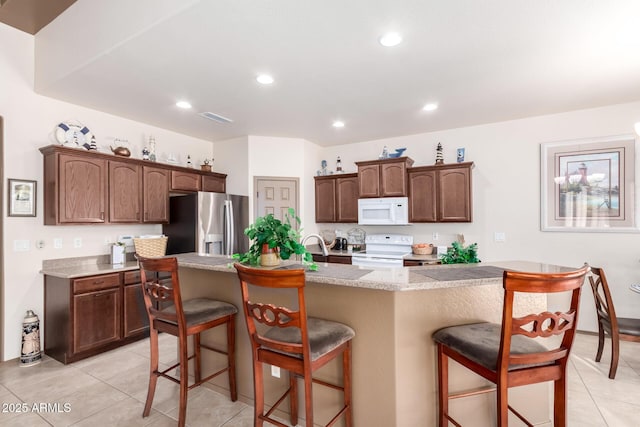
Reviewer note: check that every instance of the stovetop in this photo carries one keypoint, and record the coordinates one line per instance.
(392, 246)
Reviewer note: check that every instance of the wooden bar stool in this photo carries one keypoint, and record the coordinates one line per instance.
(293, 342)
(168, 313)
(507, 354)
(608, 323)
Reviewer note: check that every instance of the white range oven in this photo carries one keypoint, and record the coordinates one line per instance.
(383, 250)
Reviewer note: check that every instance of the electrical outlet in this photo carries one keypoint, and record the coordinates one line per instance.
(435, 235)
(77, 242)
(275, 371)
(108, 241)
(57, 243)
(40, 244)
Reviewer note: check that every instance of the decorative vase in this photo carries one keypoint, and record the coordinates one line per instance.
(269, 257)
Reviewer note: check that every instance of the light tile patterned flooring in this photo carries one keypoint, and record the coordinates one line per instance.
(110, 389)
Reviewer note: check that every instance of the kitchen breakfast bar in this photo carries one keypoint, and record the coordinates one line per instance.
(394, 313)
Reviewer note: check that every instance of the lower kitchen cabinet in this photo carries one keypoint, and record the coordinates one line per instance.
(337, 259)
(89, 315)
(135, 316)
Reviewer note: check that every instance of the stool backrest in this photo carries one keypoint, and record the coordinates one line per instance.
(157, 294)
(604, 303)
(540, 325)
(272, 315)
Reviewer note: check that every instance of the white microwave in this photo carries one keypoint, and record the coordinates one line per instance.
(383, 211)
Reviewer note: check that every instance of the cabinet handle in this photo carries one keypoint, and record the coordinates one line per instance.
(97, 282)
(99, 294)
(102, 215)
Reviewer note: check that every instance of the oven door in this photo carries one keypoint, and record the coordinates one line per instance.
(364, 261)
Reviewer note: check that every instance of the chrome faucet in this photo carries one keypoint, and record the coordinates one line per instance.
(325, 251)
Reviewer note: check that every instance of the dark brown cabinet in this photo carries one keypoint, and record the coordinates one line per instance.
(185, 181)
(337, 198)
(86, 187)
(155, 195)
(383, 178)
(89, 315)
(125, 202)
(215, 183)
(440, 193)
(75, 189)
(336, 259)
(135, 318)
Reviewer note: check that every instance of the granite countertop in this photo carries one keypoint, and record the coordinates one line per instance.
(71, 268)
(387, 279)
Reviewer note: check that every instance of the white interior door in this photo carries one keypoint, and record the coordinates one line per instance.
(275, 196)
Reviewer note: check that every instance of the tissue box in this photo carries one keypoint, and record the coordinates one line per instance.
(117, 254)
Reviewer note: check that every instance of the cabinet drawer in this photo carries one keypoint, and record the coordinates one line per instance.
(96, 283)
(131, 277)
(339, 259)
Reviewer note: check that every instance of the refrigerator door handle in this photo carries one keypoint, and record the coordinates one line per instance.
(229, 227)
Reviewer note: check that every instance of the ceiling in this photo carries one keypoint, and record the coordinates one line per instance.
(482, 62)
(31, 16)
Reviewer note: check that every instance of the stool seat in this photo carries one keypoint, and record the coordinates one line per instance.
(480, 342)
(324, 336)
(201, 310)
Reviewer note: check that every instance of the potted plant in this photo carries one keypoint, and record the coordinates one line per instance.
(459, 254)
(269, 235)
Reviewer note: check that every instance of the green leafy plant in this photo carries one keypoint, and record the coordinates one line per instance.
(458, 254)
(278, 235)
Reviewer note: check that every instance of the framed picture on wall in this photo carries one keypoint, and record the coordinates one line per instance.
(589, 185)
(22, 197)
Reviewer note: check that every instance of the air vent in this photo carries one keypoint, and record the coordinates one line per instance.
(216, 117)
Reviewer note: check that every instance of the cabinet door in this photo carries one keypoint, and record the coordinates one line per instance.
(185, 181)
(213, 183)
(96, 319)
(125, 192)
(339, 259)
(156, 195)
(422, 196)
(393, 180)
(325, 200)
(369, 180)
(136, 320)
(347, 199)
(82, 189)
(454, 195)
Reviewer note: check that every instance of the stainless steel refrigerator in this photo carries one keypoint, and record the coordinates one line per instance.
(207, 223)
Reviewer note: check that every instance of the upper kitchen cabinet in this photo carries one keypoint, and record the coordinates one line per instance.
(125, 203)
(185, 181)
(440, 193)
(337, 198)
(155, 195)
(383, 178)
(75, 188)
(87, 187)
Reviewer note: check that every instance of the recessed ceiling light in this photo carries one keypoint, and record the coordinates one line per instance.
(430, 107)
(183, 104)
(338, 124)
(390, 39)
(264, 79)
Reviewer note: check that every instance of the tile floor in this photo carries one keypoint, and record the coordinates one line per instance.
(110, 389)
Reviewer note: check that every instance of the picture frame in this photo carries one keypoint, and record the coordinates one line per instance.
(22, 195)
(589, 185)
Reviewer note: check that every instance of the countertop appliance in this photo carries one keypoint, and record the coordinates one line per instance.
(383, 211)
(383, 250)
(207, 223)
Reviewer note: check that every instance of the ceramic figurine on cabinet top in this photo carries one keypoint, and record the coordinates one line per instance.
(189, 164)
(338, 165)
(152, 148)
(145, 153)
(439, 156)
(460, 155)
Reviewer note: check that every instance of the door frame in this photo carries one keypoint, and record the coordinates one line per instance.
(2, 270)
(256, 179)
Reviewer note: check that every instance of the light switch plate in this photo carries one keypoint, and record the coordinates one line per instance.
(57, 243)
(499, 236)
(21, 245)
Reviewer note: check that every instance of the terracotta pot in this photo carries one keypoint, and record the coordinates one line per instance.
(269, 257)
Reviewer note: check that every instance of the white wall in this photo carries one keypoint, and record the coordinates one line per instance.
(29, 121)
(232, 157)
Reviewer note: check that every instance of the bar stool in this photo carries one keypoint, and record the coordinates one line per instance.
(608, 323)
(507, 354)
(169, 313)
(293, 342)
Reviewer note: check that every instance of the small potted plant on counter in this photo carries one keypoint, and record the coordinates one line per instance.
(272, 240)
(459, 254)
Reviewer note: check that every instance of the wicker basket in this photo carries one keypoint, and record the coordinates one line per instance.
(151, 247)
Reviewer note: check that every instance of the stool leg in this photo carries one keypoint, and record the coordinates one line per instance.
(153, 371)
(600, 342)
(346, 383)
(615, 354)
(231, 355)
(293, 398)
(184, 380)
(197, 363)
(308, 398)
(443, 387)
(258, 392)
(502, 400)
(560, 402)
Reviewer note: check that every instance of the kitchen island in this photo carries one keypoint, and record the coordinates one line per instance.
(394, 312)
